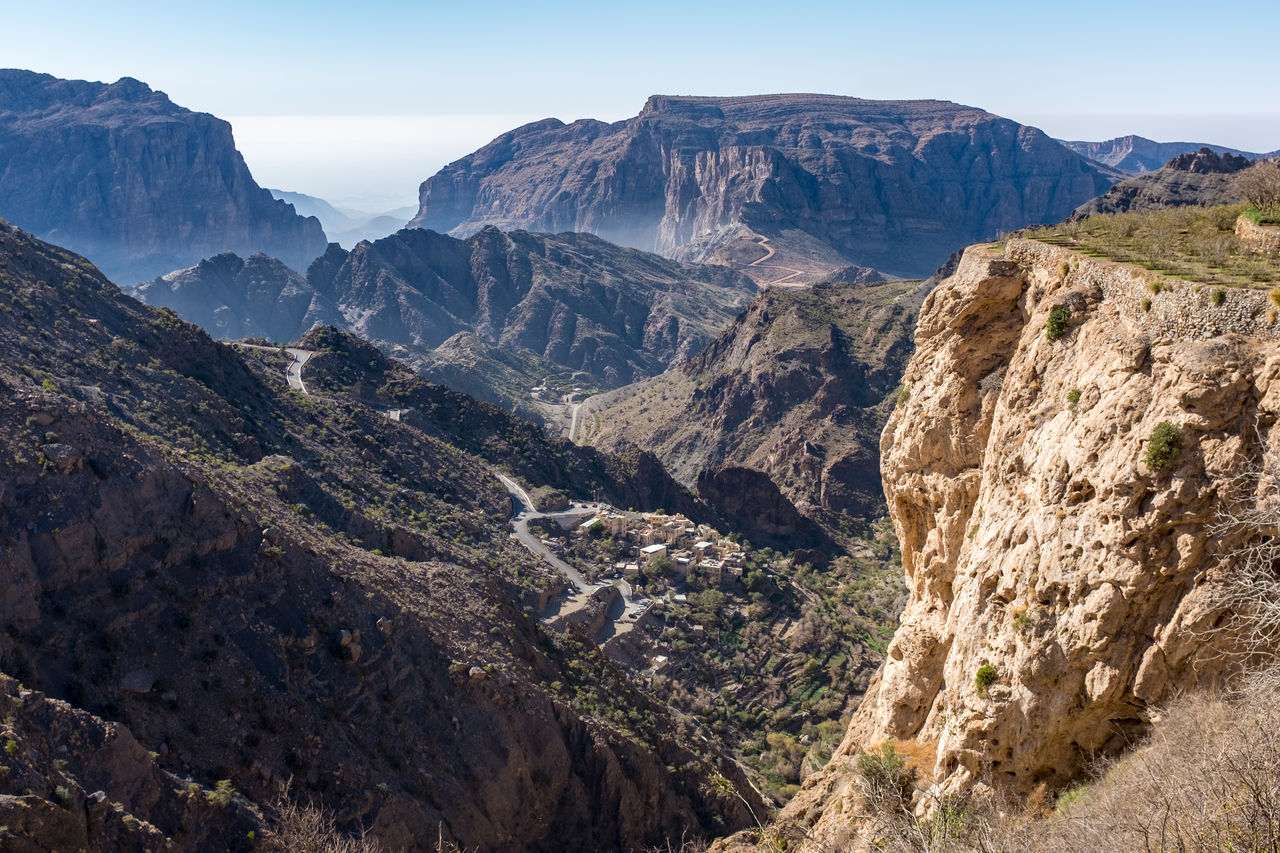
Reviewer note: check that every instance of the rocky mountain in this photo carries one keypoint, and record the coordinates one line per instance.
(787, 188)
(256, 585)
(1075, 438)
(783, 410)
(571, 300)
(1134, 155)
(120, 173)
(1201, 178)
(347, 227)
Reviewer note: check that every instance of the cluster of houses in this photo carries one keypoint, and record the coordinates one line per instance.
(648, 536)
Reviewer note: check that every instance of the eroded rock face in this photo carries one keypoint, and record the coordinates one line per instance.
(1036, 539)
(138, 184)
(895, 185)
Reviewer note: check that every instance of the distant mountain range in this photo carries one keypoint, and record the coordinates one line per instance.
(1134, 155)
(1201, 178)
(343, 226)
(785, 187)
(569, 300)
(136, 183)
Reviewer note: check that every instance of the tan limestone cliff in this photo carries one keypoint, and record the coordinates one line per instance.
(1036, 540)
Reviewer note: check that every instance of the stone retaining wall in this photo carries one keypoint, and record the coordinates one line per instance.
(1258, 238)
(1179, 309)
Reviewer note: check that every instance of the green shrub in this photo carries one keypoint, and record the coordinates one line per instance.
(1217, 295)
(1073, 400)
(1164, 445)
(11, 746)
(1145, 304)
(1056, 326)
(985, 677)
(220, 796)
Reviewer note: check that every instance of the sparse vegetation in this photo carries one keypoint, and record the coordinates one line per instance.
(1073, 400)
(1194, 243)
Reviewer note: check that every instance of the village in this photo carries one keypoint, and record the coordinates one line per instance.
(653, 550)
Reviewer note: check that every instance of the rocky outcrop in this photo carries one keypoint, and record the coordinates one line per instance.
(72, 781)
(1134, 155)
(138, 184)
(242, 298)
(798, 388)
(1063, 578)
(1200, 178)
(750, 501)
(571, 300)
(786, 187)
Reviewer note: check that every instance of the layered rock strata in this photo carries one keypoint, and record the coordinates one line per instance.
(787, 187)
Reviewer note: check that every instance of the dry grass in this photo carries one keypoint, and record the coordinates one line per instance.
(1193, 243)
(310, 829)
(1207, 779)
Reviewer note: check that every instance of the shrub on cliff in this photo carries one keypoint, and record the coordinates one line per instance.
(1056, 326)
(1164, 446)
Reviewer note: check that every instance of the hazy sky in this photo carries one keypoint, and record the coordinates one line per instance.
(344, 99)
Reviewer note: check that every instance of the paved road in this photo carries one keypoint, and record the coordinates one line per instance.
(293, 374)
(300, 357)
(523, 512)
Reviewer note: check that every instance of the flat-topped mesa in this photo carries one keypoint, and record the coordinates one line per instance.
(785, 187)
(1063, 574)
(140, 185)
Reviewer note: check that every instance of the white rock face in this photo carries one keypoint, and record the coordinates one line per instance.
(1036, 539)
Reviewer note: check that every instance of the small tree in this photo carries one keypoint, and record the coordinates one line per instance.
(1259, 185)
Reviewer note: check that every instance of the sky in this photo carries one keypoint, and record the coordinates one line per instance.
(360, 102)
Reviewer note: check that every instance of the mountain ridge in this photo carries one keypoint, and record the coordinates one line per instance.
(827, 180)
(570, 300)
(122, 174)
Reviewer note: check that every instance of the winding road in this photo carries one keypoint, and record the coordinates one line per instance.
(523, 512)
(294, 374)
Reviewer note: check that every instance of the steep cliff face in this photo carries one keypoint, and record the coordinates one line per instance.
(788, 187)
(571, 300)
(1062, 580)
(138, 184)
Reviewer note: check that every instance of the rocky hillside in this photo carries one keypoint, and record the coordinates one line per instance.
(1201, 178)
(571, 302)
(786, 187)
(798, 389)
(1134, 155)
(138, 184)
(264, 585)
(1074, 436)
